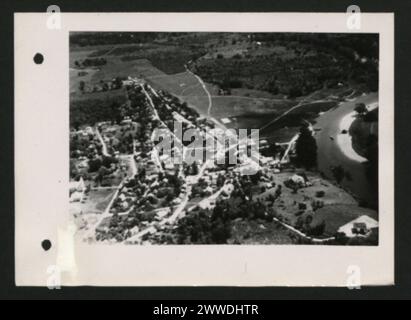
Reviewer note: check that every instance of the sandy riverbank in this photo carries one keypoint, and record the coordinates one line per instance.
(333, 152)
(344, 140)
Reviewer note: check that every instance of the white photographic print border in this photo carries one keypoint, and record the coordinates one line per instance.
(42, 166)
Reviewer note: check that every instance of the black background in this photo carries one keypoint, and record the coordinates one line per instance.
(402, 289)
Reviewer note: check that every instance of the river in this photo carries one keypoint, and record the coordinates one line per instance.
(330, 152)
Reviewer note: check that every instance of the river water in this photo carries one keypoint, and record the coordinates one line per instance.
(330, 153)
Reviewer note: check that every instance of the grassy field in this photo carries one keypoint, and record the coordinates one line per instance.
(288, 203)
(79, 54)
(188, 88)
(338, 206)
(95, 203)
(183, 83)
(102, 95)
(76, 76)
(226, 106)
(252, 93)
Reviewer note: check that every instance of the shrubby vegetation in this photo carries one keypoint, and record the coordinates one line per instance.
(83, 39)
(90, 62)
(364, 134)
(314, 61)
(215, 226)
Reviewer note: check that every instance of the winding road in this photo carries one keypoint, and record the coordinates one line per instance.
(210, 100)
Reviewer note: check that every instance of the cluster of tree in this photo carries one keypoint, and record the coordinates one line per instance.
(114, 108)
(201, 228)
(305, 224)
(96, 164)
(372, 164)
(272, 197)
(364, 114)
(366, 45)
(342, 239)
(123, 144)
(114, 230)
(91, 111)
(339, 173)
(365, 141)
(101, 86)
(90, 62)
(300, 76)
(81, 145)
(306, 148)
(104, 167)
(229, 83)
(191, 170)
(215, 226)
(83, 39)
(190, 39)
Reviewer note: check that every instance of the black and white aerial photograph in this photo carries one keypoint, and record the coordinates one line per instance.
(219, 138)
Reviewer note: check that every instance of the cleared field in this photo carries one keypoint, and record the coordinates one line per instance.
(79, 54)
(90, 48)
(176, 84)
(130, 49)
(117, 68)
(230, 106)
(102, 95)
(94, 203)
(252, 93)
(116, 65)
(78, 75)
(188, 88)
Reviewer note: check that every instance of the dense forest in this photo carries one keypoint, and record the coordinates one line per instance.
(83, 39)
(91, 111)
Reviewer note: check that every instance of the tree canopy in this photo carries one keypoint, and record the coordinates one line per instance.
(306, 148)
